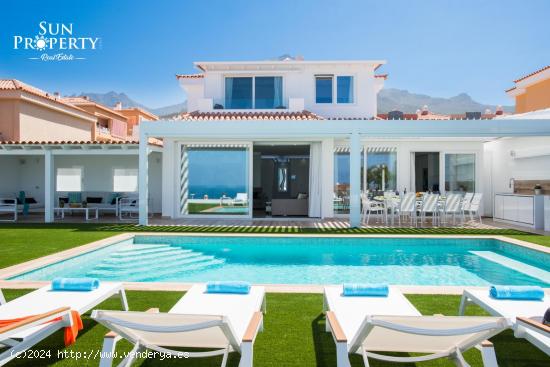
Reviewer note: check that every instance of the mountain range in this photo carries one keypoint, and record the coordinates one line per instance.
(405, 101)
(388, 100)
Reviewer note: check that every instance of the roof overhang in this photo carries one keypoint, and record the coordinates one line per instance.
(278, 65)
(311, 130)
(73, 148)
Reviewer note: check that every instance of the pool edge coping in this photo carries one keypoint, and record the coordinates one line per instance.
(34, 264)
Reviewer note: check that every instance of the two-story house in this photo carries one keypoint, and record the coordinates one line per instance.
(296, 138)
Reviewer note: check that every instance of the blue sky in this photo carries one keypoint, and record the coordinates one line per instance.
(437, 47)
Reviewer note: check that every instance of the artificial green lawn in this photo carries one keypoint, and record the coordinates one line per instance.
(293, 336)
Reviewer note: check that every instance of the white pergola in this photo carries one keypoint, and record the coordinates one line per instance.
(49, 150)
(354, 131)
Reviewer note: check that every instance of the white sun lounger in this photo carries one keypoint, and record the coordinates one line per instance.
(512, 309)
(222, 322)
(364, 325)
(48, 304)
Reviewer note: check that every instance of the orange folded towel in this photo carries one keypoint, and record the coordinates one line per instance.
(70, 332)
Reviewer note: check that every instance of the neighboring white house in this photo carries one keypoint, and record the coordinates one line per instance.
(301, 138)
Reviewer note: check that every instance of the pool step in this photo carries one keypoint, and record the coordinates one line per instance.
(136, 254)
(149, 277)
(164, 258)
(526, 269)
(144, 258)
(134, 247)
(176, 266)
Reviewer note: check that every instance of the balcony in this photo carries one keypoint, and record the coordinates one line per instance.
(211, 105)
(115, 129)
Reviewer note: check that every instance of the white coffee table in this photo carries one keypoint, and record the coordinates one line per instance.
(85, 210)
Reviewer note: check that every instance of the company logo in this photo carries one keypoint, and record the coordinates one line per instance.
(57, 42)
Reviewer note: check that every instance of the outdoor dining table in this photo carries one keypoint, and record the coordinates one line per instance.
(395, 200)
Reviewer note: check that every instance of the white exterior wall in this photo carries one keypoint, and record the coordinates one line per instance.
(504, 167)
(98, 172)
(23, 173)
(299, 83)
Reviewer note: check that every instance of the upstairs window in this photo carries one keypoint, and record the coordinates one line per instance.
(238, 93)
(325, 85)
(323, 89)
(344, 89)
(260, 92)
(268, 92)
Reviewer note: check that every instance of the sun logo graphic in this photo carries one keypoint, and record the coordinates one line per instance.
(40, 43)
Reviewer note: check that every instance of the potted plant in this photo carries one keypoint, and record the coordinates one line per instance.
(538, 189)
(84, 204)
(61, 203)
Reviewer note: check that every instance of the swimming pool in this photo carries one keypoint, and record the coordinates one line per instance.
(308, 260)
(228, 210)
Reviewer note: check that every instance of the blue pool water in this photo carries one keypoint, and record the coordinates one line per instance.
(308, 260)
(228, 210)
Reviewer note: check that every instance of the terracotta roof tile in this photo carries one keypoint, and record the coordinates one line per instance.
(151, 141)
(14, 84)
(533, 73)
(68, 142)
(82, 101)
(189, 76)
(233, 115)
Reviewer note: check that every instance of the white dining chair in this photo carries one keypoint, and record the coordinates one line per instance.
(466, 201)
(429, 206)
(452, 206)
(407, 207)
(370, 207)
(475, 206)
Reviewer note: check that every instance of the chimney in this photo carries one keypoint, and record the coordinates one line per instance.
(118, 106)
(425, 110)
(499, 111)
(86, 98)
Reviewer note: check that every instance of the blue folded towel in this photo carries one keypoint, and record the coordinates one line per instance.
(228, 287)
(376, 290)
(75, 284)
(517, 292)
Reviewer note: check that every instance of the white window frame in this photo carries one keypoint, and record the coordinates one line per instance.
(335, 89)
(253, 76)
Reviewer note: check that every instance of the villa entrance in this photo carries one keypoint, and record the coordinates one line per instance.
(425, 166)
(281, 179)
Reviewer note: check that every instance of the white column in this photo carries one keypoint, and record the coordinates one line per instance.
(355, 180)
(365, 188)
(184, 181)
(168, 178)
(143, 184)
(49, 186)
(327, 178)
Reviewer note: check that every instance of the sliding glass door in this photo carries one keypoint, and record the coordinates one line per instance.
(214, 180)
(460, 172)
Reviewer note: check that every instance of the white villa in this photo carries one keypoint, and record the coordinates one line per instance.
(294, 138)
